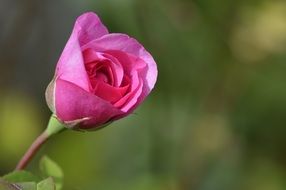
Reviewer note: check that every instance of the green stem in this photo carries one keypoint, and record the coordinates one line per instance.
(54, 127)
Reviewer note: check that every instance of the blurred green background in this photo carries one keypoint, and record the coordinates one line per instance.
(215, 121)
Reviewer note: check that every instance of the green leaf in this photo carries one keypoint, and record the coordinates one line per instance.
(51, 169)
(47, 184)
(4, 185)
(27, 186)
(20, 176)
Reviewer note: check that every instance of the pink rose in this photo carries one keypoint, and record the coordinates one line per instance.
(100, 77)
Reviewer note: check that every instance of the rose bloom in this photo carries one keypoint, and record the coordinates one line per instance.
(100, 76)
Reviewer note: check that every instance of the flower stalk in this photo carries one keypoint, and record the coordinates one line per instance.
(54, 127)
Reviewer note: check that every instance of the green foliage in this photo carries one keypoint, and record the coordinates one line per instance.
(24, 180)
(49, 168)
(5, 185)
(47, 184)
(20, 176)
(27, 185)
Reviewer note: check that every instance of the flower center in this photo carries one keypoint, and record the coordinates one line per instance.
(99, 72)
(103, 74)
(106, 76)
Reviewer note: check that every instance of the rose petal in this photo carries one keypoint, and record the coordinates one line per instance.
(130, 99)
(118, 72)
(89, 27)
(91, 56)
(128, 61)
(109, 93)
(73, 102)
(137, 68)
(70, 66)
(129, 45)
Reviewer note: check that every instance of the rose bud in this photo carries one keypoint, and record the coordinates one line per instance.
(100, 76)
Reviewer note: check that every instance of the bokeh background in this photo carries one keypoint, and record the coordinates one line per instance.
(215, 121)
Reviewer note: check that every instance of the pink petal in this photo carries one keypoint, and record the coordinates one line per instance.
(91, 55)
(136, 67)
(128, 61)
(73, 102)
(129, 45)
(109, 93)
(70, 66)
(89, 27)
(117, 69)
(130, 99)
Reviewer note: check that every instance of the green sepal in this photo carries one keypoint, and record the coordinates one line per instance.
(75, 124)
(54, 126)
(50, 95)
